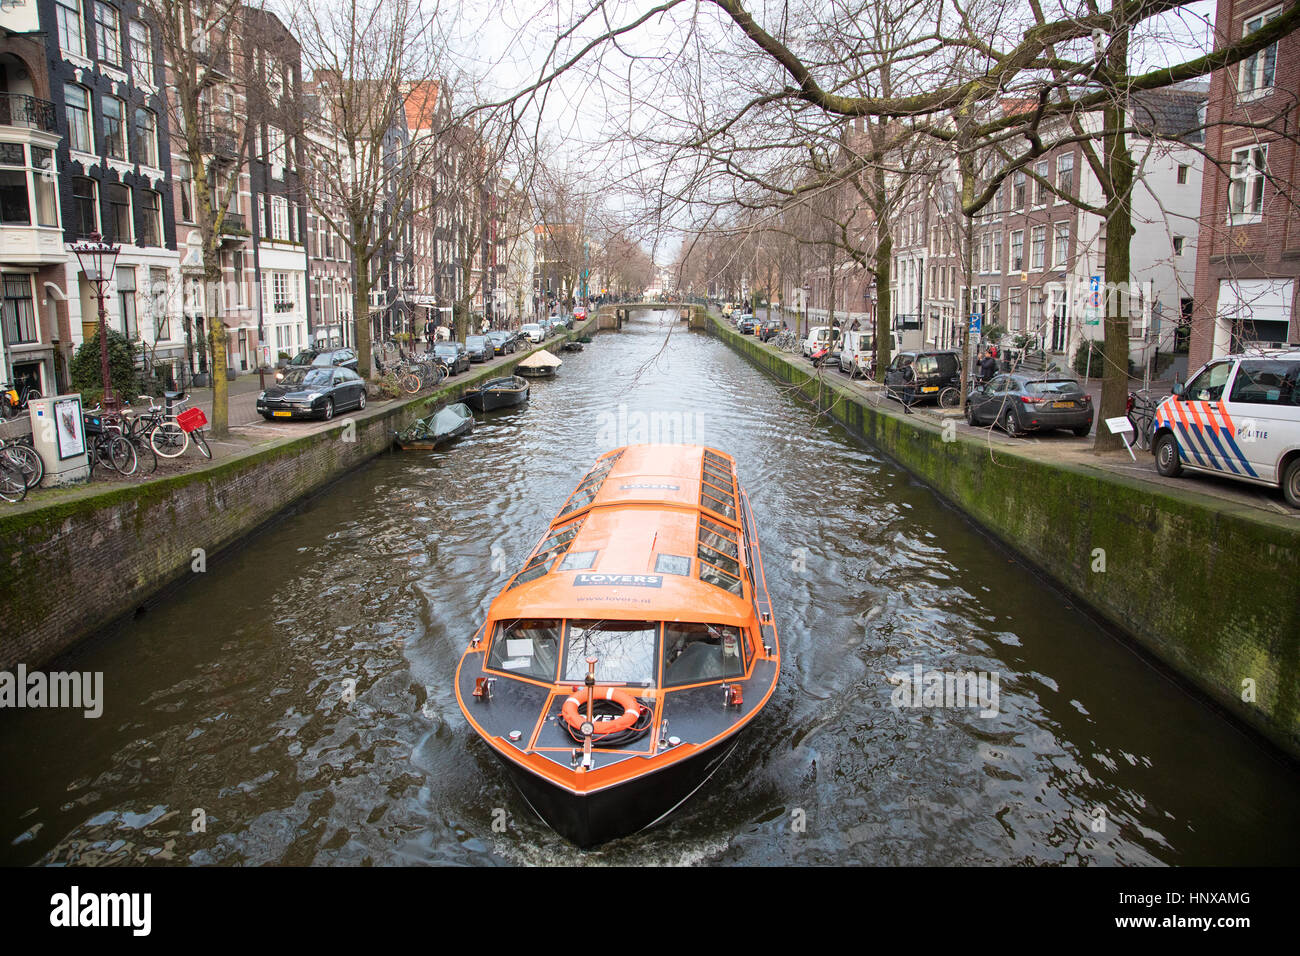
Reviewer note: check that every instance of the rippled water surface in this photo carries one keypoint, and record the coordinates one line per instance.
(227, 702)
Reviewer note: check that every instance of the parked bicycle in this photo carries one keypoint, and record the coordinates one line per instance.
(14, 399)
(20, 453)
(1141, 413)
(107, 447)
(13, 486)
(174, 427)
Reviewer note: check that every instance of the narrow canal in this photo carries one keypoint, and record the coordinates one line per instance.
(227, 702)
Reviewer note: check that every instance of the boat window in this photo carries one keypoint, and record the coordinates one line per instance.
(694, 653)
(719, 537)
(721, 480)
(624, 651)
(578, 561)
(527, 646)
(721, 560)
(529, 574)
(552, 545)
(724, 508)
(589, 487)
(720, 578)
(673, 564)
(716, 459)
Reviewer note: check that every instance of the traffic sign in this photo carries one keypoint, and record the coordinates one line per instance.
(975, 322)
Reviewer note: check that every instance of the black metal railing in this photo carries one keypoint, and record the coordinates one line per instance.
(19, 109)
(232, 224)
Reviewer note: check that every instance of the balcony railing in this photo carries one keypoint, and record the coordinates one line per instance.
(19, 109)
(221, 145)
(232, 224)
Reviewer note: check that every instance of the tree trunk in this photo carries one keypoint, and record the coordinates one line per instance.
(361, 315)
(884, 303)
(220, 386)
(1119, 233)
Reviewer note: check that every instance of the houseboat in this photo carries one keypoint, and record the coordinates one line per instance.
(615, 671)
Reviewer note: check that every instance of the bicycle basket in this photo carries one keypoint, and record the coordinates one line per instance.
(191, 419)
(94, 424)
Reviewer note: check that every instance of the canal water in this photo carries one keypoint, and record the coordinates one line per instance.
(294, 703)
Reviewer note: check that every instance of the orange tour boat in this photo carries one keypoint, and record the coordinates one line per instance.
(615, 671)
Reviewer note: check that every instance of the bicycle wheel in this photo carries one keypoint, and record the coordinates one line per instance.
(410, 383)
(123, 455)
(13, 485)
(26, 460)
(144, 451)
(169, 440)
(950, 397)
(200, 443)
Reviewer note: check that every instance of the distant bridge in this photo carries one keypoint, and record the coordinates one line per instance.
(612, 315)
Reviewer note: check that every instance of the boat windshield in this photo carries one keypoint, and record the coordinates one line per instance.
(527, 647)
(624, 651)
(695, 653)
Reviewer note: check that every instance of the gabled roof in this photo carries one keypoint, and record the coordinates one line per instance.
(422, 105)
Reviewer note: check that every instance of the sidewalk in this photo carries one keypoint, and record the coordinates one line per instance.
(1062, 446)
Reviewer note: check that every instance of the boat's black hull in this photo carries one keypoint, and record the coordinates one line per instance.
(491, 400)
(624, 808)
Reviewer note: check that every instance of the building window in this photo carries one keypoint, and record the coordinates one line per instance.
(117, 221)
(1018, 191)
(47, 192)
(279, 217)
(1256, 72)
(19, 310)
(151, 231)
(1018, 251)
(1182, 174)
(185, 180)
(126, 302)
(281, 291)
(1014, 317)
(68, 15)
(146, 138)
(85, 209)
(237, 262)
(15, 208)
(997, 252)
(1246, 184)
(114, 117)
(108, 34)
(158, 305)
(1065, 175)
(77, 103)
(1038, 248)
(1178, 245)
(141, 53)
(1062, 251)
(1040, 184)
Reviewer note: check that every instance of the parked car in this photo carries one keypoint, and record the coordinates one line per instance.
(533, 332)
(504, 341)
(914, 377)
(1024, 403)
(858, 352)
(768, 328)
(320, 358)
(1237, 417)
(818, 338)
(454, 355)
(746, 324)
(580, 314)
(307, 392)
(480, 348)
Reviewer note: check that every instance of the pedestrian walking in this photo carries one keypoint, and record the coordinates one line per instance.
(988, 367)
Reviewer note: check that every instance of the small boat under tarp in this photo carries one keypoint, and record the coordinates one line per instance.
(539, 365)
(437, 429)
(498, 393)
(571, 347)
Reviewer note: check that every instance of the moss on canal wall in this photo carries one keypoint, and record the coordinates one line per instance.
(1208, 588)
(84, 556)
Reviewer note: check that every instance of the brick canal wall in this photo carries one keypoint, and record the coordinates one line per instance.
(1209, 589)
(91, 554)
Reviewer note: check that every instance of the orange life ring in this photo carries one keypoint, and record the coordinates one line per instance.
(574, 713)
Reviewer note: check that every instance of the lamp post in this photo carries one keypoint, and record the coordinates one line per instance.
(803, 301)
(97, 260)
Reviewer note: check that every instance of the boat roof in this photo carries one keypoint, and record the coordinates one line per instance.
(609, 553)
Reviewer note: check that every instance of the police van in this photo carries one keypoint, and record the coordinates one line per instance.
(1239, 417)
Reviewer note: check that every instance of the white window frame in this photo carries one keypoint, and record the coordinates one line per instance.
(68, 13)
(1038, 249)
(88, 126)
(1246, 178)
(1060, 244)
(141, 54)
(1252, 71)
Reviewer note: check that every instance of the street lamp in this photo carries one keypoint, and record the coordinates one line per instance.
(803, 301)
(98, 260)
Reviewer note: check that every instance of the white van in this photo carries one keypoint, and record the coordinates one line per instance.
(1238, 417)
(819, 336)
(858, 352)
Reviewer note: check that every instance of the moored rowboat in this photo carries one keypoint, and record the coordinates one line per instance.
(498, 393)
(616, 670)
